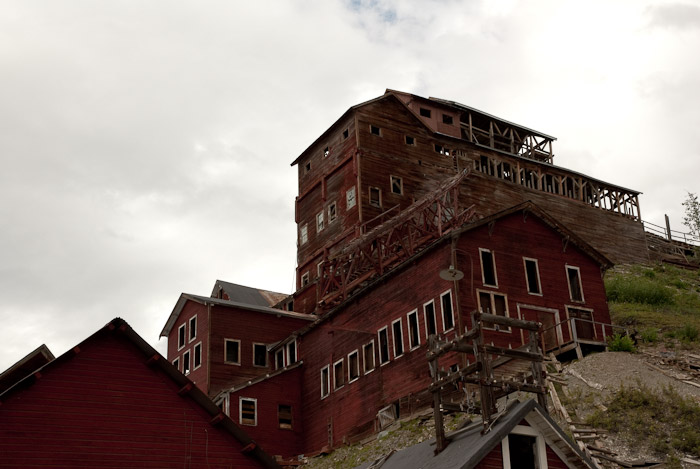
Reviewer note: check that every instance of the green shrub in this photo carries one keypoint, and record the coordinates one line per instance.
(637, 290)
(649, 274)
(650, 336)
(621, 343)
(688, 333)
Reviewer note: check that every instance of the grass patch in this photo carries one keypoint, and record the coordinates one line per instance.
(662, 420)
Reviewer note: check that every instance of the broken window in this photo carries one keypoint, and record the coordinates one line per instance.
(325, 381)
(368, 356)
(260, 355)
(447, 119)
(232, 349)
(181, 336)
(375, 196)
(305, 279)
(346, 133)
(326, 152)
(413, 334)
(448, 319)
(350, 198)
(353, 366)
(374, 130)
(284, 416)
(410, 140)
(532, 276)
(307, 167)
(248, 411)
(396, 185)
(332, 212)
(304, 234)
(338, 374)
(383, 337)
(429, 313)
(488, 268)
(319, 222)
(496, 304)
(425, 112)
(397, 333)
(573, 274)
(197, 356)
(193, 328)
(186, 363)
(442, 150)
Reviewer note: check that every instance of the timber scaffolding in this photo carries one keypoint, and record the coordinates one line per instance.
(484, 372)
(392, 242)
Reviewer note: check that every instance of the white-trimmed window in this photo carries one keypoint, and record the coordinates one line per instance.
(524, 447)
(397, 335)
(305, 279)
(332, 212)
(248, 411)
(383, 340)
(353, 366)
(494, 303)
(181, 335)
(325, 381)
(186, 363)
(448, 316)
(375, 196)
(284, 416)
(532, 276)
(413, 331)
(396, 185)
(319, 222)
(176, 363)
(260, 355)
(488, 268)
(339, 374)
(304, 234)
(232, 351)
(223, 404)
(197, 356)
(193, 328)
(368, 356)
(279, 359)
(350, 198)
(292, 352)
(573, 275)
(429, 315)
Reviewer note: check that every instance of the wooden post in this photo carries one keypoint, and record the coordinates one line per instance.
(537, 374)
(668, 227)
(440, 441)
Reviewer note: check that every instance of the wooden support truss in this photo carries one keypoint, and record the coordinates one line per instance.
(392, 242)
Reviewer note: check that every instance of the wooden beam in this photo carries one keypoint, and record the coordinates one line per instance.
(513, 353)
(510, 322)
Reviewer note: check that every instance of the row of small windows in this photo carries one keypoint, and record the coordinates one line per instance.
(330, 214)
(182, 332)
(446, 118)
(343, 375)
(284, 356)
(248, 412)
(191, 360)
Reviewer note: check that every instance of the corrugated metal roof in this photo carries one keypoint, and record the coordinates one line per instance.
(248, 295)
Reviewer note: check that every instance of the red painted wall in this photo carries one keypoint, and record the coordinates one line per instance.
(199, 375)
(106, 408)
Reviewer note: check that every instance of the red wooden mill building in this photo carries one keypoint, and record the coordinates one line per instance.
(412, 213)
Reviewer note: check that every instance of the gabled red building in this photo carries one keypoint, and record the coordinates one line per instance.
(113, 401)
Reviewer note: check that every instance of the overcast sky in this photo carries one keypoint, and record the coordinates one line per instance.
(145, 145)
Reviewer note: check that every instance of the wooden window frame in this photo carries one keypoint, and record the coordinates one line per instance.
(527, 276)
(238, 363)
(448, 119)
(369, 344)
(255, 411)
(186, 363)
(176, 363)
(327, 371)
(223, 403)
(192, 324)
(332, 212)
(393, 178)
(350, 367)
(540, 443)
(493, 264)
(281, 417)
(399, 342)
(181, 336)
(264, 346)
(412, 141)
(337, 386)
(579, 307)
(378, 202)
(492, 304)
(413, 346)
(350, 202)
(280, 364)
(425, 112)
(384, 329)
(375, 130)
(291, 346)
(197, 350)
(442, 311)
(320, 221)
(305, 279)
(346, 133)
(580, 283)
(425, 318)
(303, 234)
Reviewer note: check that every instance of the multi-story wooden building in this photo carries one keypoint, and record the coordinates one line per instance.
(412, 213)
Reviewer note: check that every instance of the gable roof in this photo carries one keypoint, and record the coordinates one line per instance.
(206, 300)
(468, 446)
(122, 331)
(247, 295)
(31, 362)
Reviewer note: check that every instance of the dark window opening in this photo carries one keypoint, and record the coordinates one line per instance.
(383, 346)
(284, 416)
(397, 331)
(375, 196)
(197, 356)
(346, 132)
(410, 140)
(374, 130)
(232, 351)
(193, 328)
(368, 355)
(338, 374)
(431, 327)
(291, 353)
(425, 112)
(533, 277)
(574, 284)
(176, 364)
(413, 334)
(248, 416)
(447, 119)
(488, 268)
(353, 366)
(447, 316)
(325, 382)
(290, 306)
(307, 167)
(326, 152)
(259, 355)
(186, 362)
(181, 337)
(279, 359)
(523, 451)
(396, 185)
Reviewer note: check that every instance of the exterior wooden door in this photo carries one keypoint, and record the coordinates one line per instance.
(548, 318)
(584, 323)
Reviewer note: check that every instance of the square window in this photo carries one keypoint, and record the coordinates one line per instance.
(447, 119)
(193, 328)
(532, 276)
(332, 213)
(232, 351)
(284, 416)
(260, 355)
(368, 356)
(181, 336)
(425, 112)
(413, 333)
(303, 234)
(488, 268)
(396, 185)
(430, 322)
(397, 333)
(375, 196)
(410, 140)
(448, 318)
(197, 358)
(374, 130)
(319, 222)
(325, 381)
(186, 363)
(383, 338)
(248, 411)
(350, 198)
(573, 275)
(353, 366)
(339, 374)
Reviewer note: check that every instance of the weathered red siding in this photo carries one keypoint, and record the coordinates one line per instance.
(493, 460)
(191, 309)
(106, 408)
